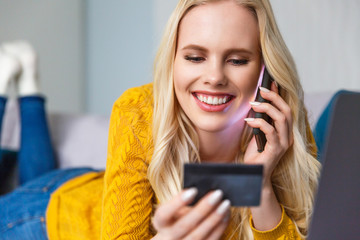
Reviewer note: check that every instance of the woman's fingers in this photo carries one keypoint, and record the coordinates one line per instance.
(164, 215)
(196, 215)
(214, 225)
(220, 228)
(279, 111)
(274, 87)
(176, 220)
(271, 135)
(280, 121)
(277, 101)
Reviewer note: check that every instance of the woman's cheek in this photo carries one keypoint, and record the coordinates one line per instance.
(185, 75)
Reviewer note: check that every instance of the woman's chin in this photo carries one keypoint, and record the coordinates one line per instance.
(218, 128)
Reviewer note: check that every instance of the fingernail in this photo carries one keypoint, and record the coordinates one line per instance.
(276, 84)
(189, 194)
(264, 89)
(249, 119)
(224, 206)
(215, 197)
(255, 103)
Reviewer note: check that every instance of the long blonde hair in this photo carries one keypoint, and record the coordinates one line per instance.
(295, 178)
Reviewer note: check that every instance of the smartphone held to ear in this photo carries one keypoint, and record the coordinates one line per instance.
(266, 81)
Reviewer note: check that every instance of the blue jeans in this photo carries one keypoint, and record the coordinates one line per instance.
(22, 212)
(36, 155)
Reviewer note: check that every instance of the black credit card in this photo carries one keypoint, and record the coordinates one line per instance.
(241, 183)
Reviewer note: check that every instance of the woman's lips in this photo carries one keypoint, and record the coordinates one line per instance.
(211, 102)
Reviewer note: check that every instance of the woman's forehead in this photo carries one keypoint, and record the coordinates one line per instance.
(217, 23)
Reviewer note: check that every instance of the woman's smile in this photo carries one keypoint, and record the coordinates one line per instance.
(213, 102)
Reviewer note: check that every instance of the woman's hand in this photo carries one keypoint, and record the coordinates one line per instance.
(208, 219)
(279, 138)
(279, 135)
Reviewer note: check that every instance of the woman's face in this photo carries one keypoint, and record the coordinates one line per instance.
(217, 65)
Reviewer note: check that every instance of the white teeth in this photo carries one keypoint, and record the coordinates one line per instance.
(216, 101)
(211, 100)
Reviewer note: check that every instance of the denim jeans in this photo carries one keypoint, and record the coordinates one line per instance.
(23, 211)
(36, 154)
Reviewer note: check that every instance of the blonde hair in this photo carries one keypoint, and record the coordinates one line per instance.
(295, 178)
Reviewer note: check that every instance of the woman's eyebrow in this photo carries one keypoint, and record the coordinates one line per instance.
(194, 47)
(239, 50)
(228, 51)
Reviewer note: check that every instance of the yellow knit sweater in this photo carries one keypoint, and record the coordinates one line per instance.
(119, 204)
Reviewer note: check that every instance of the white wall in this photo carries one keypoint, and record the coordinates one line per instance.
(119, 50)
(55, 29)
(122, 40)
(162, 10)
(323, 36)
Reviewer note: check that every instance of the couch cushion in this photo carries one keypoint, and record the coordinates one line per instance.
(79, 140)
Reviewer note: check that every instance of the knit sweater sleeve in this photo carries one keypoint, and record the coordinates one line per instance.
(127, 197)
(286, 229)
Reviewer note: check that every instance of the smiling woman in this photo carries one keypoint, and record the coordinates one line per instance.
(197, 110)
(215, 50)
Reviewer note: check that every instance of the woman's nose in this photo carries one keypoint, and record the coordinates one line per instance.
(215, 74)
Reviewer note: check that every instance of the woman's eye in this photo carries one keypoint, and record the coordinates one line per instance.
(194, 59)
(238, 62)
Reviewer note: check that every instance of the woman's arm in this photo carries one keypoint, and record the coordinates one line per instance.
(269, 215)
(128, 196)
(285, 229)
